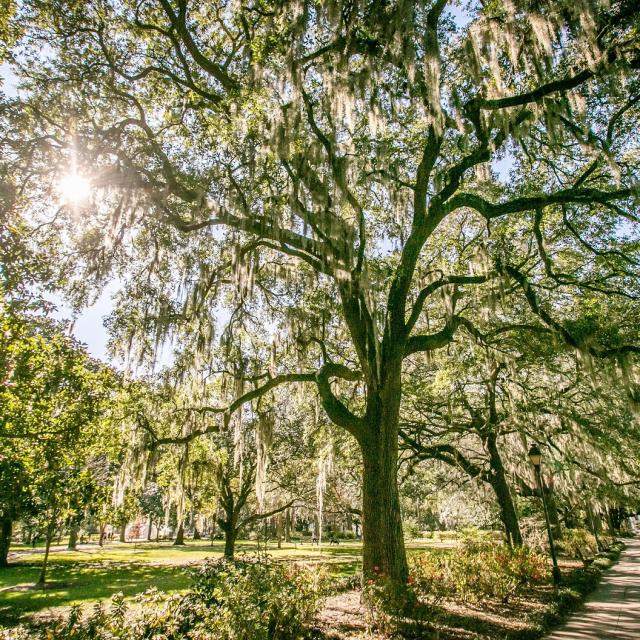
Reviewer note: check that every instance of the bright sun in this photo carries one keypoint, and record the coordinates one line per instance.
(74, 188)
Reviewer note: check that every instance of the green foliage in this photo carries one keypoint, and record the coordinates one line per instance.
(257, 598)
(252, 599)
(52, 399)
(15, 497)
(578, 543)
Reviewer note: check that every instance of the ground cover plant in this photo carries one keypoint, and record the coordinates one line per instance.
(464, 593)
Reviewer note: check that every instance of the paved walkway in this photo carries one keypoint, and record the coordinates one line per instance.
(612, 611)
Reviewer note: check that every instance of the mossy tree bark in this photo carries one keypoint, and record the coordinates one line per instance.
(498, 481)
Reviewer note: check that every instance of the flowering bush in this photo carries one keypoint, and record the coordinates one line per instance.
(477, 570)
(252, 599)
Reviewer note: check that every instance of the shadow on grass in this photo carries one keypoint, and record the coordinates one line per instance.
(78, 584)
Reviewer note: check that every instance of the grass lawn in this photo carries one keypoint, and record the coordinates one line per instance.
(92, 573)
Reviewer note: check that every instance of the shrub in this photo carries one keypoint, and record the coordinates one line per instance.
(477, 570)
(251, 599)
(578, 543)
(346, 535)
(259, 599)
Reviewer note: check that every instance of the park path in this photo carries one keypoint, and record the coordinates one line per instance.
(612, 611)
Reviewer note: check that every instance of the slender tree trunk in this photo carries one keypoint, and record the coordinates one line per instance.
(287, 526)
(592, 524)
(383, 543)
(6, 527)
(179, 541)
(43, 571)
(123, 531)
(103, 528)
(212, 530)
(279, 530)
(508, 513)
(73, 537)
(149, 528)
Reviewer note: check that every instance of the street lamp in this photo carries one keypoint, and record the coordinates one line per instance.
(535, 456)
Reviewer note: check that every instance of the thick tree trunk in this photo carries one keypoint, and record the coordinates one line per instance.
(508, 513)
(123, 531)
(383, 543)
(229, 542)
(194, 522)
(149, 528)
(6, 527)
(179, 541)
(103, 528)
(73, 537)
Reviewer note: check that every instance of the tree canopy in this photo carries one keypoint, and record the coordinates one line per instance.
(316, 193)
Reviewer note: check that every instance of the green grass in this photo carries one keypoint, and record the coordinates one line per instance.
(91, 573)
(80, 583)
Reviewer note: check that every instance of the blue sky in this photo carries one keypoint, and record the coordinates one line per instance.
(89, 324)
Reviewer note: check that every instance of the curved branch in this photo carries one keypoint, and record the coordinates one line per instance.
(272, 383)
(179, 23)
(491, 210)
(432, 287)
(549, 320)
(335, 408)
(445, 453)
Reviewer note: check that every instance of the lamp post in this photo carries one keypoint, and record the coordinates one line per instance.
(535, 456)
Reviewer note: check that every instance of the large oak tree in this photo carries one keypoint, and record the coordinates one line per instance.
(326, 174)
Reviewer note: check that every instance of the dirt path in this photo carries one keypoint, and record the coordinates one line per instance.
(343, 617)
